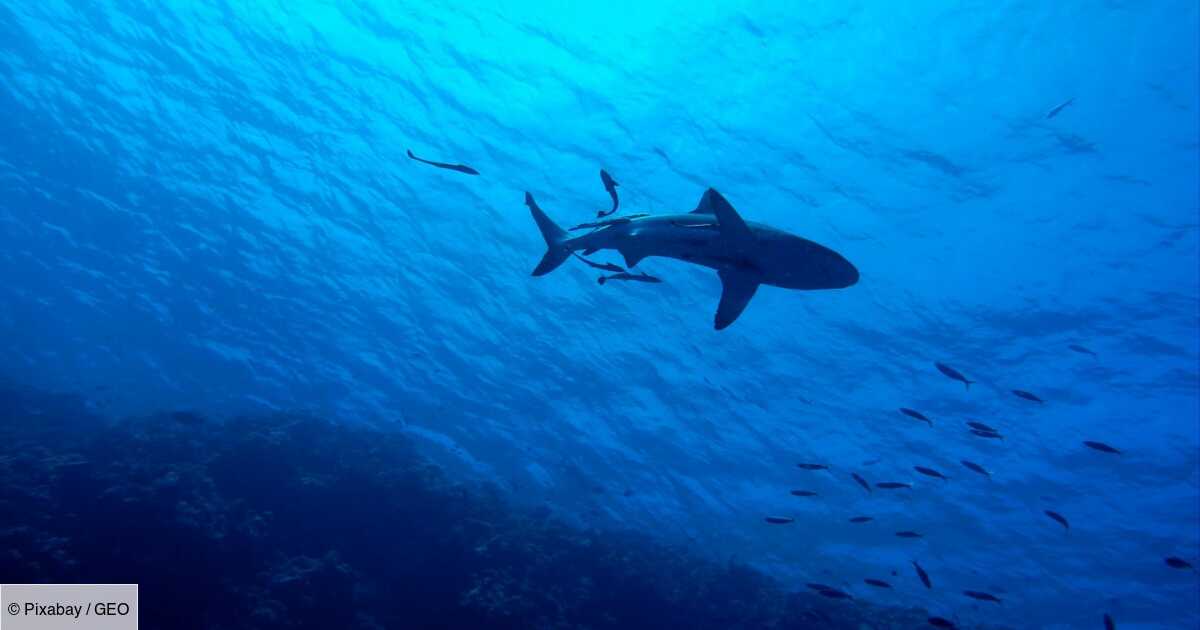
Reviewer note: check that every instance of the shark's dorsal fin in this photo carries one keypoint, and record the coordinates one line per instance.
(731, 224)
(737, 287)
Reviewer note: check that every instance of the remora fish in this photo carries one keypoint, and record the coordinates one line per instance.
(461, 168)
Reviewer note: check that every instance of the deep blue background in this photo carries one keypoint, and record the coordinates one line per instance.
(208, 206)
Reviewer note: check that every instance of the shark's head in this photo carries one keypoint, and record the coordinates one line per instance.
(792, 262)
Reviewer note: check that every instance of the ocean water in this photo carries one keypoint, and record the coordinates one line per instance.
(207, 206)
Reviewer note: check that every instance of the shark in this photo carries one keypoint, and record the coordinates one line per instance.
(744, 254)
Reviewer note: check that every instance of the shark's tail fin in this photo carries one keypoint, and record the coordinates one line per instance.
(556, 250)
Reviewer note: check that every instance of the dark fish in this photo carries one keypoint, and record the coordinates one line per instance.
(953, 373)
(640, 277)
(929, 472)
(780, 520)
(922, 574)
(939, 622)
(915, 414)
(976, 467)
(596, 265)
(1108, 623)
(987, 434)
(461, 168)
(1054, 112)
(1177, 563)
(834, 593)
(908, 534)
(862, 519)
(986, 597)
(979, 426)
(819, 587)
(813, 466)
(1082, 350)
(862, 482)
(1020, 393)
(803, 493)
(610, 185)
(1101, 446)
(892, 485)
(879, 583)
(1058, 517)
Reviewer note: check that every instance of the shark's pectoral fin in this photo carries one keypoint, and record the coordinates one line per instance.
(737, 287)
(632, 258)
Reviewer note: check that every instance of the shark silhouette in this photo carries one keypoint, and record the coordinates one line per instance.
(744, 255)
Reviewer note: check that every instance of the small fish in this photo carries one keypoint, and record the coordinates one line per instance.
(862, 519)
(780, 520)
(953, 374)
(976, 467)
(908, 534)
(596, 265)
(915, 414)
(980, 595)
(640, 277)
(1108, 623)
(834, 593)
(610, 185)
(987, 434)
(979, 426)
(1082, 350)
(1101, 446)
(1020, 393)
(922, 574)
(929, 472)
(1058, 108)
(862, 482)
(939, 622)
(1058, 517)
(819, 587)
(892, 485)
(803, 493)
(461, 168)
(1177, 563)
(879, 583)
(813, 466)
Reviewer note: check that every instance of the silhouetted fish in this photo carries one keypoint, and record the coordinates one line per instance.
(1101, 446)
(976, 467)
(596, 265)
(461, 168)
(908, 534)
(892, 485)
(953, 373)
(610, 185)
(834, 593)
(987, 434)
(915, 414)
(862, 519)
(1058, 517)
(1108, 623)
(979, 426)
(879, 583)
(1082, 350)
(980, 595)
(1177, 563)
(929, 472)
(939, 622)
(1058, 108)
(813, 466)
(862, 482)
(818, 587)
(922, 574)
(1020, 393)
(639, 277)
(780, 520)
(803, 493)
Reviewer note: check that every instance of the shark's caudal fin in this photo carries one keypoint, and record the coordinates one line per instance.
(556, 252)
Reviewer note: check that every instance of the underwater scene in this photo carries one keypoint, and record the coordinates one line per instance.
(558, 315)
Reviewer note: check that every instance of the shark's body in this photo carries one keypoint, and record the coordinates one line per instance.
(713, 235)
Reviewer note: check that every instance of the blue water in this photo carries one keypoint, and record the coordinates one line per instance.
(208, 206)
